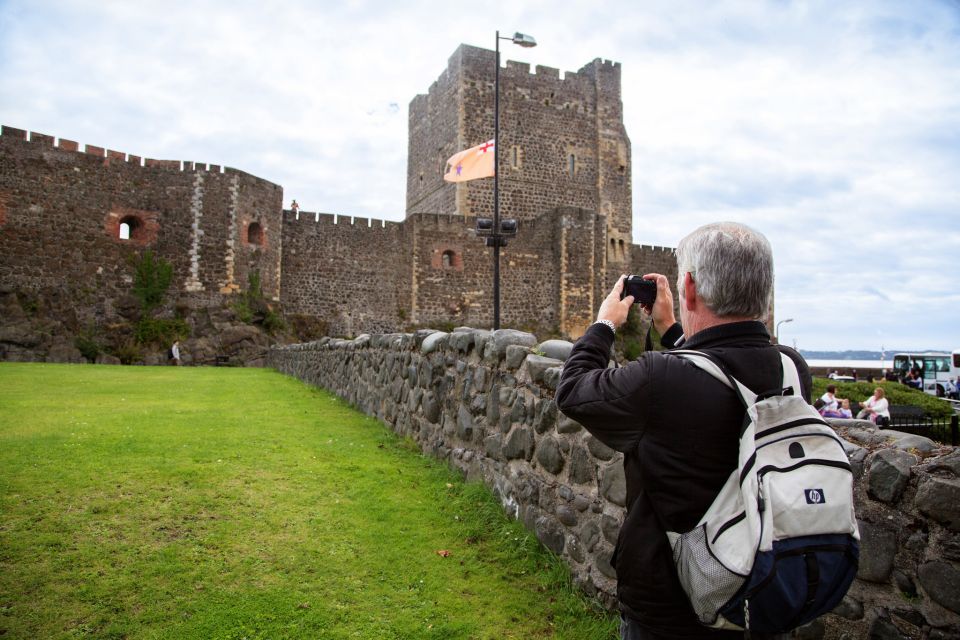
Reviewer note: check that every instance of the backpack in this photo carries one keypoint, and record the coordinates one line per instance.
(779, 546)
(170, 353)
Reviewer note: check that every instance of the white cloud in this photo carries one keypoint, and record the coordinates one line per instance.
(833, 128)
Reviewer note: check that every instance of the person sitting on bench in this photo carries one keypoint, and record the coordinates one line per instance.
(876, 408)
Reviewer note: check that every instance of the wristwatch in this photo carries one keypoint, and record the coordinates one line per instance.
(607, 323)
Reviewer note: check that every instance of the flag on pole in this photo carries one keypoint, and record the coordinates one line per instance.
(475, 162)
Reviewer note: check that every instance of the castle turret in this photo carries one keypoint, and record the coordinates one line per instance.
(562, 141)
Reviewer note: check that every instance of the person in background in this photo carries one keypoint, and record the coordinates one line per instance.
(951, 389)
(914, 380)
(875, 408)
(294, 206)
(829, 399)
(842, 412)
(175, 353)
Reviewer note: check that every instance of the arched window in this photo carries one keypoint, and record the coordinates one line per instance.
(447, 258)
(131, 227)
(572, 164)
(255, 233)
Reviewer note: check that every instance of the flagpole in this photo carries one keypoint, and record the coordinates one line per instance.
(497, 237)
(496, 189)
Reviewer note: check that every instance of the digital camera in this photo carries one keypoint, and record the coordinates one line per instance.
(643, 291)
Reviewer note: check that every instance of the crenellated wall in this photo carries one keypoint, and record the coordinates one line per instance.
(62, 211)
(484, 401)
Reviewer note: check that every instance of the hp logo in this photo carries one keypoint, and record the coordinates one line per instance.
(814, 496)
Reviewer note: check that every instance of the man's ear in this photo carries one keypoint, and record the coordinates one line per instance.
(689, 291)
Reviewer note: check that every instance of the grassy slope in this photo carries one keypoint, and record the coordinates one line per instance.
(231, 503)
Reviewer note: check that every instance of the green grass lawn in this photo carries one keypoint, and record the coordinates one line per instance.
(165, 502)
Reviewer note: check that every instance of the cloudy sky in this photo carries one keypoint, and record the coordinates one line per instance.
(834, 128)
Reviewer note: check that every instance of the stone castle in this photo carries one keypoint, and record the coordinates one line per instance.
(70, 219)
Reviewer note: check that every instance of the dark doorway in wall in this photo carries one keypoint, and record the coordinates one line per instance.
(255, 233)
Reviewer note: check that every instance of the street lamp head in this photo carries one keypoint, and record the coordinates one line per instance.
(524, 40)
(787, 320)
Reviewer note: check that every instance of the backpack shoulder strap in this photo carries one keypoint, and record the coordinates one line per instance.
(712, 366)
(791, 377)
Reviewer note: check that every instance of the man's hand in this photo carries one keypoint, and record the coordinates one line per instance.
(613, 308)
(662, 311)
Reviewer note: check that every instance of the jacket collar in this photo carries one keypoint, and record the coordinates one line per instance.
(731, 332)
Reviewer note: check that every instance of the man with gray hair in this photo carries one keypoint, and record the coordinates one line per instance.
(677, 427)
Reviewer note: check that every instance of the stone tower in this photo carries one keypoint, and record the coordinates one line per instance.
(562, 143)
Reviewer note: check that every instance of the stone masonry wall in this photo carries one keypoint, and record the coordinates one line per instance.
(484, 402)
(367, 276)
(352, 273)
(63, 210)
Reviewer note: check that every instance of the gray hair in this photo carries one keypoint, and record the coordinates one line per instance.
(732, 265)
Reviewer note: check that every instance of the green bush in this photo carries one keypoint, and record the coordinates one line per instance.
(128, 352)
(29, 303)
(896, 393)
(242, 310)
(160, 330)
(151, 280)
(307, 328)
(88, 346)
(272, 322)
(632, 336)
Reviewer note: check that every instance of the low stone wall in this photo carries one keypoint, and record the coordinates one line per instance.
(484, 401)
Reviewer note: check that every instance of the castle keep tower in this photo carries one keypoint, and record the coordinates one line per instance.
(562, 142)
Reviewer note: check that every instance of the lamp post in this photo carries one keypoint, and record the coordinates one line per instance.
(776, 334)
(497, 238)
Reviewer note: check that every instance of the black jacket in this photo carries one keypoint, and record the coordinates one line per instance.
(678, 428)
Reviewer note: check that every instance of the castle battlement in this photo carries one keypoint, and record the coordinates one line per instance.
(333, 219)
(653, 248)
(110, 156)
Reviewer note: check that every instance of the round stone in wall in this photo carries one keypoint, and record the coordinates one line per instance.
(942, 582)
(878, 547)
(613, 484)
(939, 498)
(558, 349)
(549, 455)
(889, 474)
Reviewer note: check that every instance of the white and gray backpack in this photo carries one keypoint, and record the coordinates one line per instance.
(779, 546)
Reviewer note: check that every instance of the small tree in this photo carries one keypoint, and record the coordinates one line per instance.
(151, 280)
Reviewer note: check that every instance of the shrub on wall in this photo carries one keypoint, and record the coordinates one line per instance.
(128, 352)
(631, 337)
(88, 345)
(160, 330)
(307, 328)
(151, 280)
(252, 308)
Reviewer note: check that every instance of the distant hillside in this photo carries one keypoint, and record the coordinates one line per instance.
(857, 355)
